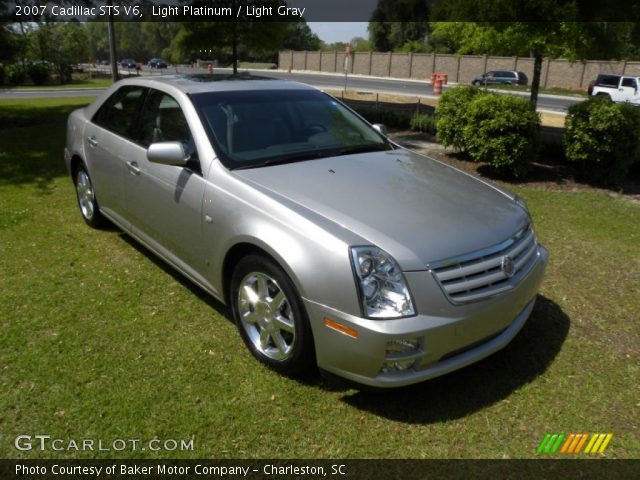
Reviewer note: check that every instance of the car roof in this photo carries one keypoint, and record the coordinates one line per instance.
(217, 82)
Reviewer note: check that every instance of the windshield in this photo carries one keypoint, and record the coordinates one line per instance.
(266, 127)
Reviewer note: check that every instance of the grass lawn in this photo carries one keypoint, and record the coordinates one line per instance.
(256, 65)
(102, 341)
(79, 83)
(571, 92)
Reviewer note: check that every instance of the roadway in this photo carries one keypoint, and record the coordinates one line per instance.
(551, 103)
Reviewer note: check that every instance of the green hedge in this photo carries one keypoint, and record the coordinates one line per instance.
(15, 75)
(423, 122)
(390, 118)
(503, 131)
(450, 115)
(603, 138)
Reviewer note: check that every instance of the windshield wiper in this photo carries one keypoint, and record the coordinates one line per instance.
(291, 158)
(315, 154)
(361, 149)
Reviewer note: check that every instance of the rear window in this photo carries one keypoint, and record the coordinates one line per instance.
(120, 112)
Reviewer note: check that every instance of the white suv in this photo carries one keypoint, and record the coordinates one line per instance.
(618, 88)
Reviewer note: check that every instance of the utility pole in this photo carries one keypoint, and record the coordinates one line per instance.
(112, 46)
(346, 63)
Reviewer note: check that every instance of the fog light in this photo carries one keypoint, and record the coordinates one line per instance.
(397, 366)
(401, 355)
(400, 347)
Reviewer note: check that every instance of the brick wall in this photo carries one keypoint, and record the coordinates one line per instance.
(461, 68)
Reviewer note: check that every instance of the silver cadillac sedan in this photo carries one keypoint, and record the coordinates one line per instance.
(332, 245)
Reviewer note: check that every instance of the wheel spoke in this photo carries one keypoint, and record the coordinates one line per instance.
(276, 302)
(280, 343)
(249, 295)
(284, 323)
(250, 317)
(264, 339)
(263, 290)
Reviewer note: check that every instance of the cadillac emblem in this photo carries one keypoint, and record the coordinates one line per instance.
(507, 266)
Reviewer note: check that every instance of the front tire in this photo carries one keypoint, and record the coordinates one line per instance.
(270, 316)
(87, 202)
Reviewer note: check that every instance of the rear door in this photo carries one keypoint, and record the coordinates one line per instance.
(105, 137)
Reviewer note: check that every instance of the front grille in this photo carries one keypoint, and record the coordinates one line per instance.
(479, 275)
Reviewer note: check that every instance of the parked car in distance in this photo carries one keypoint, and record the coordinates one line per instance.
(128, 63)
(331, 244)
(157, 63)
(617, 88)
(501, 77)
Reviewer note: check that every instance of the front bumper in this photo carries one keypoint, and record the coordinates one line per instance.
(448, 337)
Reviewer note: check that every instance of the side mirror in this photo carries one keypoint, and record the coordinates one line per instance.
(382, 130)
(167, 153)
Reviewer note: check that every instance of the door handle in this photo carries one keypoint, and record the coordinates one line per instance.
(133, 168)
(92, 141)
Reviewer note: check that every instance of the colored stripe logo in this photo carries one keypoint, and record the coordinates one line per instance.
(574, 443)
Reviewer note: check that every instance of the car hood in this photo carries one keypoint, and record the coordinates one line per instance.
(415, 208)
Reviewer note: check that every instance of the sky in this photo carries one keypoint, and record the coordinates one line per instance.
(339, 31)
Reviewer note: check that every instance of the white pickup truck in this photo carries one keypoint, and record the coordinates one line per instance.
(619, 88)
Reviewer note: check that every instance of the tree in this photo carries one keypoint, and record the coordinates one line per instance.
(7, 43)
(548, 32)
(98, 41)
(298, 36)
(244, 34)
(388, 28)
(61, 44)
(158, 39)
(359, 44)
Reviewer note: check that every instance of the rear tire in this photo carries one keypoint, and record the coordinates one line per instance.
(86, 197)
(270, 316)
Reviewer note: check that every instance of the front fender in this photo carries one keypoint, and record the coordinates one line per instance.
(316, 260)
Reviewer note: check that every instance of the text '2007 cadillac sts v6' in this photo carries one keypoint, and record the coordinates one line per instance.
(332, 245)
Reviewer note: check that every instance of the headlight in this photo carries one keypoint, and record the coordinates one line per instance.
(522, 204)
(520, 201)
(382, 287)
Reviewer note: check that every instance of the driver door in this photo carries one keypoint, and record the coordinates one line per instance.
(164, 201)
(628, 91)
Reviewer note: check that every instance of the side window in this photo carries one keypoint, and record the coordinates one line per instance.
(120, 112)
(163, 121)
(629, 82)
